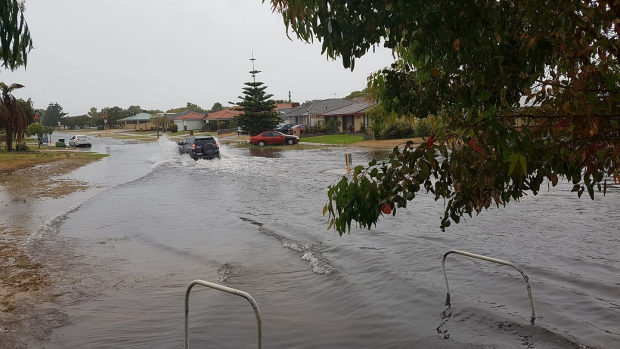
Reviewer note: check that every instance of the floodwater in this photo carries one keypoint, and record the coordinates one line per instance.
(126, 251)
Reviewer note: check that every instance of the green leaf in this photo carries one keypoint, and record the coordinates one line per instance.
(523, 162)
(484, 95)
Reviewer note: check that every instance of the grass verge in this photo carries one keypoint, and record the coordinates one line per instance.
(334, 139)
(15, 160)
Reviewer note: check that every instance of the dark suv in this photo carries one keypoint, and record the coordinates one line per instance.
(200, 147)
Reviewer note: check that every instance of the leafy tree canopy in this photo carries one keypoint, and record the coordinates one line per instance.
(357, 94)
(258, 109)
(14, 34)
(217, 106)
(523, 92)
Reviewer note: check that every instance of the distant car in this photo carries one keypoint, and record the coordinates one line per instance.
(301, 128)
(273, 137)
(284, 128)
(80, 141)
(200, 147)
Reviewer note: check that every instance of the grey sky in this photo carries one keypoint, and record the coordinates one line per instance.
(160, 54)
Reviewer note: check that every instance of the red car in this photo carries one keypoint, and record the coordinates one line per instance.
(273, 137)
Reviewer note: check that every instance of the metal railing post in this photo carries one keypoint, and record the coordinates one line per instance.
(494, 260)
(227, 290)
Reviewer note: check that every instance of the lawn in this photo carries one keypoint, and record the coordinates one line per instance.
(334, 139)
(15, 160)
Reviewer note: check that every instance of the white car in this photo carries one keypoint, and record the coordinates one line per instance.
(80, 141)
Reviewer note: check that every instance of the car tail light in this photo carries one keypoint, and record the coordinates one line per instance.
(217, 144)
(194, 146)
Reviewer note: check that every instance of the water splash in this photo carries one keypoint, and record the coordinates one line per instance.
(309, 252)
(51, 225)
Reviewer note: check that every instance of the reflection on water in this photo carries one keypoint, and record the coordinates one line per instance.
(256, 224)
(266, 152)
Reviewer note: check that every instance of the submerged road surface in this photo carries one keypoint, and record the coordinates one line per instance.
(252, 220)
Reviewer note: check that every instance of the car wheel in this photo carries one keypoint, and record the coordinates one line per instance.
(262, 143)
(290, 142)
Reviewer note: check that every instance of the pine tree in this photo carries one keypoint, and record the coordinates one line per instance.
(258, 109)
(53, 115)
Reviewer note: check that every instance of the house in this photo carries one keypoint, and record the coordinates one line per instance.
(188, 120)
(352, 117)
(139, 122)
(307, 114)
(225, 115)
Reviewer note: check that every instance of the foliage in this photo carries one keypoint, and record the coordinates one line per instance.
(53, 115)
(14, 34)
(423, 127)
(397, 130)
(114, 114)
(195, 107)
(27, 108)
(173, 127)
(133, 109)
(258, 109)
(217, 106)
(12, 117)
(333, 125)
(78, 121)
(161, 122)
(36, 129)
(376, 116)
(526, 92)
(358, 94)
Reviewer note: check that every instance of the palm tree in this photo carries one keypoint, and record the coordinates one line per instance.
(12, 116)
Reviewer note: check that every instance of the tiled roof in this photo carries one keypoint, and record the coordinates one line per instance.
(172, 116)
(191, 115)
(224, 114)
(351, 109)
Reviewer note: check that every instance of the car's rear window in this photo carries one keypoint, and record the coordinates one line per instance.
(83, 138)
(205, 141)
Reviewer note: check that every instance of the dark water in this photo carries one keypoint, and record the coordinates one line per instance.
(253, 221)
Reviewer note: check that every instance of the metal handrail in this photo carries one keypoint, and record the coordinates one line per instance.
(494, 260)
(224, 289)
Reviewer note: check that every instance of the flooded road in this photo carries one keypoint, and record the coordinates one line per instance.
(126, 251)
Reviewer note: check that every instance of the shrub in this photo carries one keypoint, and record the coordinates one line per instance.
(173, 127)
(333, 125)
(423, 128)
(398, 130)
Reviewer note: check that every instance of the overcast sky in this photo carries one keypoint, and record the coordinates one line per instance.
(161, 54)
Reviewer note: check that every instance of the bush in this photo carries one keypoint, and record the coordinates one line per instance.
(398, 130)
(173, 127)
(423, 128)
(333, 125)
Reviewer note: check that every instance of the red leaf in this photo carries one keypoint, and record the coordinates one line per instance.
(386, 209)
(473, 143)
(430, 140)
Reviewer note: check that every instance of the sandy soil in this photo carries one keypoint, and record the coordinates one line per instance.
(23, 281)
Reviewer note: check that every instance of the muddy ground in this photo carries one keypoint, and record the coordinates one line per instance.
(25, 282)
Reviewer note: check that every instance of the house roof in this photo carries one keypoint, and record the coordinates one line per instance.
(319, 107)
(224, 114)
(137, 117)
(191, 115)
(172, 116)
(355, 108)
